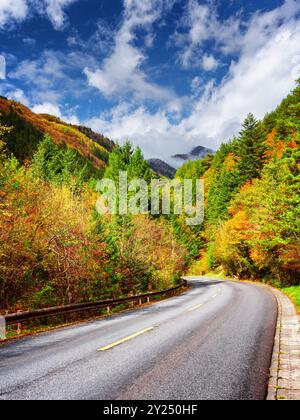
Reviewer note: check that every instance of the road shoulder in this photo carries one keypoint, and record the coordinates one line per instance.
(285, 368)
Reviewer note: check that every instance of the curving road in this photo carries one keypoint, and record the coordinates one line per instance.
(213, 342)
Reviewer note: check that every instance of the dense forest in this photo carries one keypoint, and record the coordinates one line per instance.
(55, 248)
(252, 221)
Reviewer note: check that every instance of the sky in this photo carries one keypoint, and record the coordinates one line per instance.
(166, 74)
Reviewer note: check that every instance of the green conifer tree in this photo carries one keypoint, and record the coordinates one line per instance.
(251, 149)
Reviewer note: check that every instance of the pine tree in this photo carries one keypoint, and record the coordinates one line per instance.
(124, 158)
(250, 149)
(43, 160)
(194, 169)
(119, 160)
(61, 165)
(139, 167)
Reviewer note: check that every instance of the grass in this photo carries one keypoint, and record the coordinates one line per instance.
(294, 294)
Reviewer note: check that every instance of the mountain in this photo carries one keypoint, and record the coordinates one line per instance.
(28, 129)
(198, 152)
(161, 168)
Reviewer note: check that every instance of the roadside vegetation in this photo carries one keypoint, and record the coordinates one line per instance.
(55, 248)
(252, 220)
(294, 293)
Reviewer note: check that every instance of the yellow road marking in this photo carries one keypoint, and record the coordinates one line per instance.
(124, 340)
(195, 307)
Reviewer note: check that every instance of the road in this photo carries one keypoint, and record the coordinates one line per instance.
(213, 342)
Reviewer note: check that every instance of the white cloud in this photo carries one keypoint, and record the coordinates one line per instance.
(268, 48)
(29, 42)
(121, 73)
(17, 95)
(44, 75)
(257, 82)
(48, 76)
(209, 62)
(14, 11)
(40, 71)
(263, 75)
(196, 85)
(10, 91)
(55, 11)
(54, 109)
(200, 24)
(47, 108)
(153, 132)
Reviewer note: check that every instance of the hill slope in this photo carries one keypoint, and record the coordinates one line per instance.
(252, 197)
(161, 168)
(29, 128)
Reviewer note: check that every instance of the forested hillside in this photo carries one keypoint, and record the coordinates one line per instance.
(28, 129)
(252, 221)
(56, 249)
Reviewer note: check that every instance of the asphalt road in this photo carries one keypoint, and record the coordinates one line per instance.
(213, 342)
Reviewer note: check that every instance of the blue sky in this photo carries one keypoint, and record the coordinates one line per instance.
(167, 74)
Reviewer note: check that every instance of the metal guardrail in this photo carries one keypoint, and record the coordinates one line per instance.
(19, 318)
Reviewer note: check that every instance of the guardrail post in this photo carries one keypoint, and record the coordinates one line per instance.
(140, 302)
(19, 325)
(148, 299)
(108, 310)
(131, 294)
